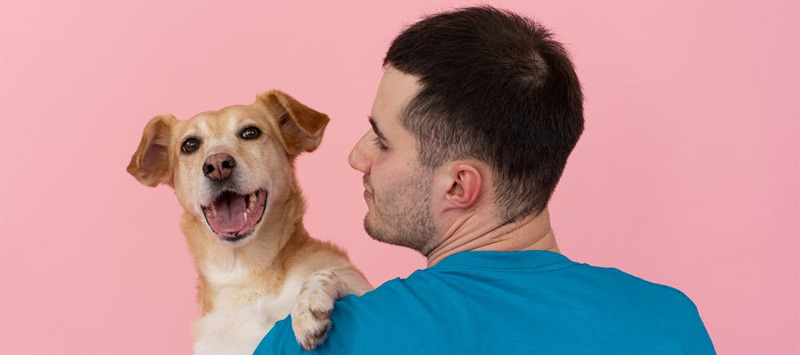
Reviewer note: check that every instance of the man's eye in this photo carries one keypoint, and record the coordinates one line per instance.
(380, 144)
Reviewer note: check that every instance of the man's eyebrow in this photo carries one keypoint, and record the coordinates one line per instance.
(375, 128)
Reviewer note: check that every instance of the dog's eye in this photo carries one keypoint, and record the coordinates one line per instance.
(250, 133)
(190, 145)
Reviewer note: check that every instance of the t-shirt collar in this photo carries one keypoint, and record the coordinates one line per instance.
(526, 259)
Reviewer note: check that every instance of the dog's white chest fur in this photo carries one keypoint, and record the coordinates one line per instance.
(242, 314)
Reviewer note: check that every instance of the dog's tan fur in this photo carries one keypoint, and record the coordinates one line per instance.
(244, 287)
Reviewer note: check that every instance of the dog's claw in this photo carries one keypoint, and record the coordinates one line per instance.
(322, 314)
(320, 334)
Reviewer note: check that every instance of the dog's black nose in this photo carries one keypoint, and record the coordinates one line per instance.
(219, 166)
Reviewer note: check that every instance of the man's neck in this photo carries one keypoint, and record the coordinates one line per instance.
(480, 231)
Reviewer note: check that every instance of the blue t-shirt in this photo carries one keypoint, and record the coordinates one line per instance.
(527, 302)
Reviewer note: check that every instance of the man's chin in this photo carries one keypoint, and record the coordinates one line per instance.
(412, 240)
(371, 231)
(379, 234)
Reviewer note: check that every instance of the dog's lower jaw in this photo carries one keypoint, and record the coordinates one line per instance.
(236, 240)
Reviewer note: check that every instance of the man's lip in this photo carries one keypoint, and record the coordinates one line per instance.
(367, 194)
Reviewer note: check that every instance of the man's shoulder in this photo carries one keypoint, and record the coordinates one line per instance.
(403, 299)
(652, 303)
(617, 280)
(607, 282)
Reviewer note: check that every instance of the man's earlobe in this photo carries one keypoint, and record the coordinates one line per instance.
(301, 127)
(151, 163)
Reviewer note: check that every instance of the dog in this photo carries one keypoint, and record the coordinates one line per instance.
(232, 171)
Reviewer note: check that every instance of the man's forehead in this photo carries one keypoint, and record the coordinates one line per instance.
(394, 91)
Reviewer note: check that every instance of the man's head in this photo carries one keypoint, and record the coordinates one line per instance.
(492, 92)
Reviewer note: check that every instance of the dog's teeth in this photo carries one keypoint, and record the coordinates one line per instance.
(245, 216)
(213, 211)
(251, 201)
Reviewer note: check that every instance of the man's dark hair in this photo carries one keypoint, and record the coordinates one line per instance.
(496, 87)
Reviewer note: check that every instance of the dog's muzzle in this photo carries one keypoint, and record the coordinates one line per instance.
(233, 216)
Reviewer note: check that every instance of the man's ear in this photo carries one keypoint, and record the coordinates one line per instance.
(462, 183)
(151, 163)
(301, 127)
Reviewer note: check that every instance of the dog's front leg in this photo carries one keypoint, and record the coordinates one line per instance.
(312, 309)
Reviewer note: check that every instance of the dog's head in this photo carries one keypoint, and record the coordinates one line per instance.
(227, 166)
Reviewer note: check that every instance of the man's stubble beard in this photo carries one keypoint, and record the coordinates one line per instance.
(405, 216)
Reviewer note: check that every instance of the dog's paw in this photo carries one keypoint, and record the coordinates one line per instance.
(311, 312)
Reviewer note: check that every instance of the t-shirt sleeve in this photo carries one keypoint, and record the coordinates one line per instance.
(695, 336)
(280, 340)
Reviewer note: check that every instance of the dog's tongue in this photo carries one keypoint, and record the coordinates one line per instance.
(230, 214)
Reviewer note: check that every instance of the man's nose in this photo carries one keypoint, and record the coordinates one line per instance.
(358, 158)
(219, 166)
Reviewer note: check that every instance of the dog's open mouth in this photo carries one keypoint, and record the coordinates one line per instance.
(233, 216)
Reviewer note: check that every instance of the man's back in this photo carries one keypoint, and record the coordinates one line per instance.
(509, 303)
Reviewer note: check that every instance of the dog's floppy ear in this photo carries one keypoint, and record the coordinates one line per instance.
(301, 127)
(151, 163)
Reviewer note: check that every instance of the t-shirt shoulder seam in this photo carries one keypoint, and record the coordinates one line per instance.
(641, 280)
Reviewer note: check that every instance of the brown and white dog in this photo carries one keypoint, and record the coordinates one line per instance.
(232, 171)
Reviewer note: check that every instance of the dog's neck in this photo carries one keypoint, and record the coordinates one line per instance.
(261, 263)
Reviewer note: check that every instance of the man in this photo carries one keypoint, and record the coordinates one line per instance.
(474, 118)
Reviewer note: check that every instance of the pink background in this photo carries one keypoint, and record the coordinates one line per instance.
(687, 173)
